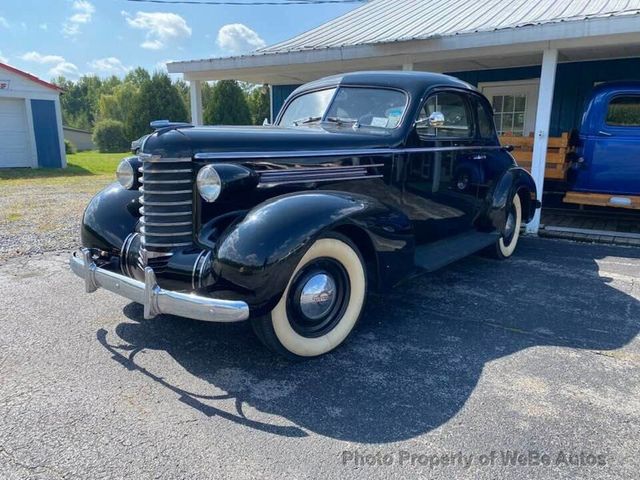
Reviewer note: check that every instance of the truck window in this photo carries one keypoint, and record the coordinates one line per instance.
(624, 111)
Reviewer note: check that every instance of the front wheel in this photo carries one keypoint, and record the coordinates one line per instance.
(508, 241)
(321, 304)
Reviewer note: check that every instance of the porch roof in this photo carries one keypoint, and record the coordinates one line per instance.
(440, 35)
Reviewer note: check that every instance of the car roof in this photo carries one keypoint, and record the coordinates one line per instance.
(413, 82)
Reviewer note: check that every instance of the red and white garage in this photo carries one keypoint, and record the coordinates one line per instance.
(30, 121)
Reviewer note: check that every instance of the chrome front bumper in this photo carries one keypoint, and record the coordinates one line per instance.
(155, 299)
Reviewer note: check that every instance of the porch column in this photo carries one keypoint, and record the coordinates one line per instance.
(543, 119)
(196, 101)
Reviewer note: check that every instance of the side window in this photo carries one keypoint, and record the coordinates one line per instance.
(486, 128)
(458, 122)
(624, 112)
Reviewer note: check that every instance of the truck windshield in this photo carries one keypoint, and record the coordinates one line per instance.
(353, 106)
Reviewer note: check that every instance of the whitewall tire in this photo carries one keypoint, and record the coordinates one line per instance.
(322, 303)
(507, 243)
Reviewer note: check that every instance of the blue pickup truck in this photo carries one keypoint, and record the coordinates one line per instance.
(606, 164)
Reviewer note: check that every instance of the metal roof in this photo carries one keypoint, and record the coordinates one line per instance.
(384, 21)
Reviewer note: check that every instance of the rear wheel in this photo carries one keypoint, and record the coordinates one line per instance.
(321, 304)
(506, 245)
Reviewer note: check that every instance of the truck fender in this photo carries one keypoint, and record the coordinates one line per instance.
(111, 215)
(259, 254)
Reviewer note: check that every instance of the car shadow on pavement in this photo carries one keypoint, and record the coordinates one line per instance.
(419, 351)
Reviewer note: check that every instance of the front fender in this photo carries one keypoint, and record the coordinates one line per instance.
(110, 216)
(512, 180)
(258, 255)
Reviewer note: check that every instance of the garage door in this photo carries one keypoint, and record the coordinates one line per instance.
(15, 150)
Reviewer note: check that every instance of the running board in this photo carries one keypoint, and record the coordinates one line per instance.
(436, 255)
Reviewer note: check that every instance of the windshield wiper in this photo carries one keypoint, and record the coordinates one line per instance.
(341, 121)
(302, 121)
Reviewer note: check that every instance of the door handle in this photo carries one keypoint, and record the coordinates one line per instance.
(480, 156)
(605, 134)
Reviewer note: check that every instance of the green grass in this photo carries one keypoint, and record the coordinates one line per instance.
(78, 164)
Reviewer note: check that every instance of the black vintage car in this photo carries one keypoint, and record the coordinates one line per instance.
(364, 179)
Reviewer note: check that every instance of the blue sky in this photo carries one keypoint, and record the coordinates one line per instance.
(104, 37)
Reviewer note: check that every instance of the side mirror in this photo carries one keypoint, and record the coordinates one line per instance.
(435, 120)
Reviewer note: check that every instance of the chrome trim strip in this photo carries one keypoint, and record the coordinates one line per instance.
(201, 270)
(337, 153)
(124, 253)
(168, 224)
(175, 170)
(164, 204)
(195, 267)
(320, 170)
(164, 214)
(167, 192)
(167, 245)
(315, 180)
(147, 157)
(164, 234)
(156, 300)
(142, 180)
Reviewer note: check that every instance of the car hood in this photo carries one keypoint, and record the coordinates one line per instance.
(186, 142)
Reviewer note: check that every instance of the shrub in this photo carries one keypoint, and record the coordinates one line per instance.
(109, 136)
(69, 147)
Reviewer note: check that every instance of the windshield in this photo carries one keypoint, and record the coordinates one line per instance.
(355, 106)
(307, 108)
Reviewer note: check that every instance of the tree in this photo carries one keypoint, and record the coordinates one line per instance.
(259, 105)
(227, 105)
(157, 99)
(117, 106)
(109, 136)
(137, 77)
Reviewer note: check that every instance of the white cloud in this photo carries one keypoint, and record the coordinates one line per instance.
(43, 26)
(109, 66)
(161, 28)
(83, 13)
(40, 58)
(3, 22)
(238, 38)
(58, 64)
(66, 69)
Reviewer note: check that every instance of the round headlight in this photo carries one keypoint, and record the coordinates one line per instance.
(209, 183)
(125, 174)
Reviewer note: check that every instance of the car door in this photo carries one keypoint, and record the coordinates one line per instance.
(438, 206)
(614, 166)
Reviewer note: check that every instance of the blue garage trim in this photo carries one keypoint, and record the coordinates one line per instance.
(279, 95)
(45, 127)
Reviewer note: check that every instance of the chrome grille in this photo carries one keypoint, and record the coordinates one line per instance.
(167, 202)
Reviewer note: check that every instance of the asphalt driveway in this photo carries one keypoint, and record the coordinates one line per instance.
(445, 377)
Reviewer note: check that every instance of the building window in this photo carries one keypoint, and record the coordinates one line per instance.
(624, 112)
(509, 113)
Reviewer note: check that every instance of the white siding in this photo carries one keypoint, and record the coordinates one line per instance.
(15, 146)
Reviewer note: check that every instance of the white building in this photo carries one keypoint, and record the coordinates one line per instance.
(30, 121)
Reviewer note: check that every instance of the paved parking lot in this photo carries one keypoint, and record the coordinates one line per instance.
(538, 355)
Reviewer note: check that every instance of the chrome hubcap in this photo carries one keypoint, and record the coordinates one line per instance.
(318, 296)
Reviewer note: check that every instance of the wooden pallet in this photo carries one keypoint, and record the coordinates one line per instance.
(603, 200)
(556, 166)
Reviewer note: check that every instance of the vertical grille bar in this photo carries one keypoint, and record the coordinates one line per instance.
(167, 203)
